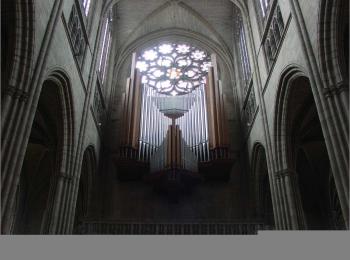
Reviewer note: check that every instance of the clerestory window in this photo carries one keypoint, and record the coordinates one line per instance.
(105, 46)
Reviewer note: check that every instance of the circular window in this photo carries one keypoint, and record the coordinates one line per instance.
(173, 68)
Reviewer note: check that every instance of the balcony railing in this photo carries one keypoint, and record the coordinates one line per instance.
(186, 228)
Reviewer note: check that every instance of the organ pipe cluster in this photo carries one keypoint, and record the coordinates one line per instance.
(174, 131)
(194, 125)
(153, 124)
(173, 154)
(217, 123)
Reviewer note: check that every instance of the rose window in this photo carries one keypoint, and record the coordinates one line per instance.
(173, 69)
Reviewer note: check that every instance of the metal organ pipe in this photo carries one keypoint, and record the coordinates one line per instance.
(154, 124)
(194, 124)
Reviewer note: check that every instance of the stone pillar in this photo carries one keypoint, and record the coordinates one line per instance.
(339, 106)
(333, 114)
(291, 208)
(59, 203)
(72, 204)
(20, 117)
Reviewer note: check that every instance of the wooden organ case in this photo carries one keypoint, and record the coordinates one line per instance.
(174, 142)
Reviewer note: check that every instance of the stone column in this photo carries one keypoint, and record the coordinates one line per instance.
(59, 202)
(333, 114)
(279, 204)
(293, 216)
(72, 204)
(17, 131)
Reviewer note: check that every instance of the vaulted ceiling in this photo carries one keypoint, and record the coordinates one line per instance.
(137, 18)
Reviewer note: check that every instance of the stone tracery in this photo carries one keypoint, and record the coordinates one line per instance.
(174, 68)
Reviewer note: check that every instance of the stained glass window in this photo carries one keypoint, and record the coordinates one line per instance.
(173, 68)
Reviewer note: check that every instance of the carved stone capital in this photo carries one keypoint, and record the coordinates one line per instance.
(66, 177)
(10, 91)
(16, 93)
(281, 174)
(335, 90)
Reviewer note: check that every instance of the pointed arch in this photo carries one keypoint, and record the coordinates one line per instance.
(261, 187)
(87, 178)
(17, 31)
(288, 75)
(17, 41)
(240, 3)
(61, 79)
(48, 157)
(301, 152)
(334, 42)
(176, 34)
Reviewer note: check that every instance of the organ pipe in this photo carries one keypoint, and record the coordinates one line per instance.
(216, 116)
(173, 153)
(132, 109)
(174, 132)
(203, 124)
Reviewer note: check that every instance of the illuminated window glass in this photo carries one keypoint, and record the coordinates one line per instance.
(264, 4)
(244, 56)
(86, 6)
(173, 68)
(105, 43)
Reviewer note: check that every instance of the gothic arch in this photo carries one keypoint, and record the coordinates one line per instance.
(87, 179)
(289, 74)
(17, 31)
(240, 3)
(17, 41)
(176, 34)
(301, 150)
(334, 42)
(261, 191)
(62, 81)
(202, 22)
(48, 158)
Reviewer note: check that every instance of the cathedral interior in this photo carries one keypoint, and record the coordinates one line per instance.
(174, 116)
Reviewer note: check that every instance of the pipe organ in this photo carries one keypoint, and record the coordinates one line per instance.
(131, 115)
(173, 166)
(174, 131)
(153, 124)
(218, 136)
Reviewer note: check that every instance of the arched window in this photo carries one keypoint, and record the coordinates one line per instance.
(106, 40)
(244, 56)
(242, 48)
(75, 26)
